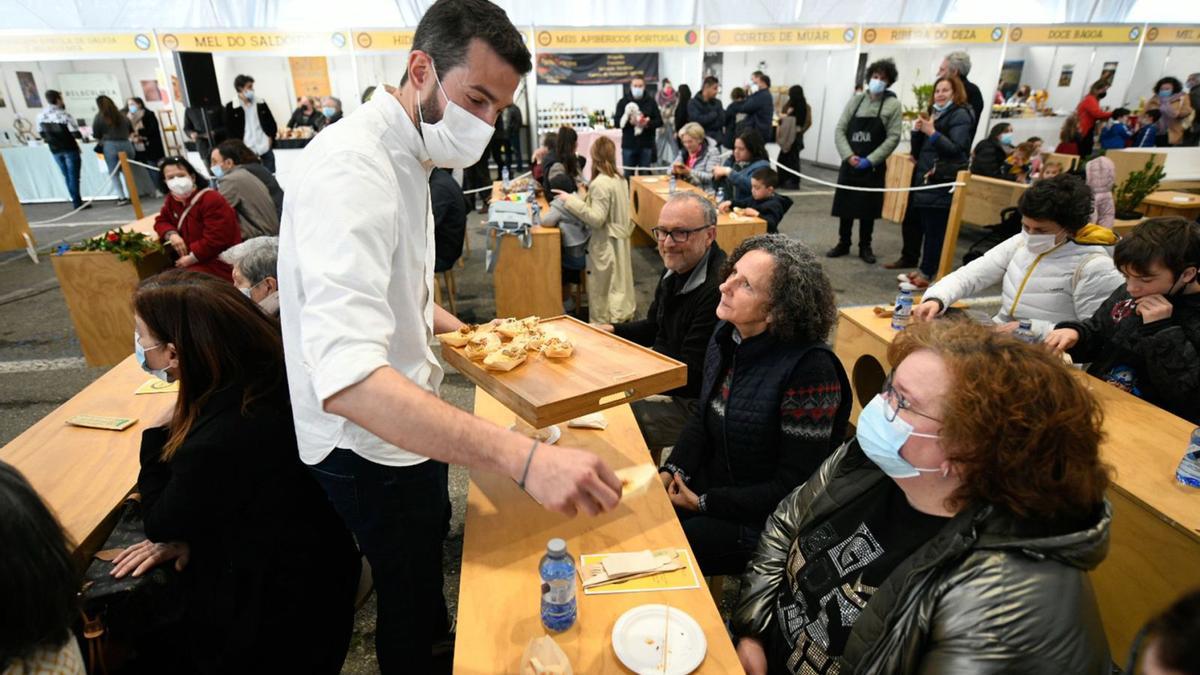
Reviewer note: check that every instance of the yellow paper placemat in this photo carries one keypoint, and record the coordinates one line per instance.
(157, 386)
(677, 580)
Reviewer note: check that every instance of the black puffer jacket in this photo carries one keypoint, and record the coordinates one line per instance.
(988, 160)
(786, 410)
(944, 154)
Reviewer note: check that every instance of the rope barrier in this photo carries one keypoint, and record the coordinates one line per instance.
(134, 161)
(855, 188)
(81, 207)
(489, 187)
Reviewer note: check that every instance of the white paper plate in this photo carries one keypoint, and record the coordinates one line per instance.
(637, 639)
(553, 430)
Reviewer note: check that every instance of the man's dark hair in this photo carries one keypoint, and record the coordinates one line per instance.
(1173, 241)
(1064, 199)
(1174, 634)
(53, 97)
(446, 31)
(754, 145)
(762, 76)
(1120, 112)
(241, 81)
(1154, 114)
(235, 150)
(884, 67)
(709, 81)
(767, 177)
(38, 579)
(737, 94)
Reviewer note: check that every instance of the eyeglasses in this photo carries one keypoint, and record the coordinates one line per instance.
(896, 402)
(138, 339)
(678, 235)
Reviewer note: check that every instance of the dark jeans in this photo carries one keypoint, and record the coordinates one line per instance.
(721, 546)
(400, 516)
(69, 163)
(913, 233)
(933, 225)
(636, 157)
(268, 160)
(866, 228)
(512, 153)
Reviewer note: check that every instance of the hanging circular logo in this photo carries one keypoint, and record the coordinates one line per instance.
(338, 40)
(1016, 34)
(141, 41)
(848, 36)
(363, 40)
(170, 41)
(997, 34)
(1135, 33)
(714, 37)
(690, 37)
(544, 38)
(869, 35)
(1152, 34)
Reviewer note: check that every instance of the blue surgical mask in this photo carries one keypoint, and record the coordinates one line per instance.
(249, 94)
(1165, 92)
(636, 92)
(328, 111)
(881, 440)
(876, 86)
(1006, 138)
(941, 107)
(133, 109)
(140, 353)
(217, 171)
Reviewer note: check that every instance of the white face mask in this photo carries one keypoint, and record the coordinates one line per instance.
(753, 88)
(181, 185)
(458, 140)
(636, 92)
(1039, 243)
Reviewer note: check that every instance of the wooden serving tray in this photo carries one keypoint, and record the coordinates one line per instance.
(604, 371)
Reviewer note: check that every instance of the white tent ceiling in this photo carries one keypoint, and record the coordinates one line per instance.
(65, 15)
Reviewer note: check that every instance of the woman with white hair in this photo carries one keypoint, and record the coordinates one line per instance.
(695, 163)
(254, 263)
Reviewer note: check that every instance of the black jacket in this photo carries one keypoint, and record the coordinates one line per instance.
(650, 109)
(680, 323)
(268, 552)
(193, 120)
(152, 138)
(772, 209)
(988, 160)
(975, 101)
(449, 219)
(234, 120)
(1159, 362)
(788, 409)
(944, 154)
(264, 174)
(759, 108)
(305, 119)
(708, 114)
(60, 137)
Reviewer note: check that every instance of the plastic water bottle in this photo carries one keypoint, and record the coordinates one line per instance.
(504, 177)
(902, 312)
(1188, 472)
(1024, 332)
(557, 570)
(720, 195)
(671, 184)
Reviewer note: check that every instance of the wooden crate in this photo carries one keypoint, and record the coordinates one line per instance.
(98, 288)
(604, 371)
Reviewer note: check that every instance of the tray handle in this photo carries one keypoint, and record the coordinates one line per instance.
(616, 398)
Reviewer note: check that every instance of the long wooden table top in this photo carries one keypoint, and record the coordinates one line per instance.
(85, 474)
(658, 188)
(505, 537)
(1142, 442)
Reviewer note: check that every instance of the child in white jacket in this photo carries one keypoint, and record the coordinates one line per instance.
(1058, 269)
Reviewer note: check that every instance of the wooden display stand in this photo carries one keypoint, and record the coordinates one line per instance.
(14, 228)
(899, 175)
(98, 288)
(528, 281)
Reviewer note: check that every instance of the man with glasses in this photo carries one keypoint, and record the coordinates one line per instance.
(683, 315)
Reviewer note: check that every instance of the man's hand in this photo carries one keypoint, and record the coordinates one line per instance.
(721, 171)
(194, 136)
(607, 328)
(146, 555)
(750, 213)
(927, 311)
(853, 161)
(666, 478)
(681, 495)
(177, 243)
(752, 655)
(569, 481)
(724, 206)
(1062, 339)
(1154, 308)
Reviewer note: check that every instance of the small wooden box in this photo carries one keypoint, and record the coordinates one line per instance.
(604, 371)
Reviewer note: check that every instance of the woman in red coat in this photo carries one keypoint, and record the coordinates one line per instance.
(195, 220)
(1090, 112)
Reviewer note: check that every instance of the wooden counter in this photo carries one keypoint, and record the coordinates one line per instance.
(505, 537)
(648, 195)
(1155, 537)
(84, 474)
(1171, 203)
(528, 281)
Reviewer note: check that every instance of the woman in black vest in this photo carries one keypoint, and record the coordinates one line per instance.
(773, 405)
(867, 134)
(269, 570)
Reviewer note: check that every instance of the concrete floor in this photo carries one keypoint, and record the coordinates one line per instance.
(41, 365)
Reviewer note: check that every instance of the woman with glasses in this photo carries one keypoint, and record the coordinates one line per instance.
(953, 535)
(774, 402)
(604, 208)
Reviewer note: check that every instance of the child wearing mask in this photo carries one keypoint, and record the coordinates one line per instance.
(763, 202)
(1117, 134)
(1145, 136)
(1145, 338)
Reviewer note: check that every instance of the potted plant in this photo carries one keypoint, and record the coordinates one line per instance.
(924, 94)
(1137, 187)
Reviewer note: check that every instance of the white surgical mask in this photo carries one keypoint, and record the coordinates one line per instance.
(181, 185)
(457, 140)
(876, 86)
(249, 94)
(1039, 243)
(140, 353)
(637, 92)
(753, 88)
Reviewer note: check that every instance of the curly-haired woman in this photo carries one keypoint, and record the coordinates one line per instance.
(774, 401)
(1059, 268)
(954, 535)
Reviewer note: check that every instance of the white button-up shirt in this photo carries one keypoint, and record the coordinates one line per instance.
(356, 254)
(254, 137)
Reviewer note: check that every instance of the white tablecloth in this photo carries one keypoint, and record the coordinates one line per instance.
(37, 178)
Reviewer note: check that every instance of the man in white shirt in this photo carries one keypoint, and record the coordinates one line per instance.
(250, 120)
(356, 283)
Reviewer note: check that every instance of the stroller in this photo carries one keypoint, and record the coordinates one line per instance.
(1009, 225)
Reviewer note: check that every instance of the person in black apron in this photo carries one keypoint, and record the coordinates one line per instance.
(863, 136)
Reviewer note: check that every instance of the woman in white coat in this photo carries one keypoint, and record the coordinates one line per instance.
(605, 210)
(1059, 268)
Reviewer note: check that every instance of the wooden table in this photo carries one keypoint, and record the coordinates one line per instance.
(85, 474)
(1155, 536)
(1171, 203)
(505, 537)
(528, 281)
(648, 195)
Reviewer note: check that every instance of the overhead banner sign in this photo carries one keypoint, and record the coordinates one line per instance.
(932, 34)
(1173, 35)
(586, 69)
(633, 38)
(277, 42)
(800, 36)
(310, 75)
(79, 92)
(67, 45)
(383, 40)
(1078, 34)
